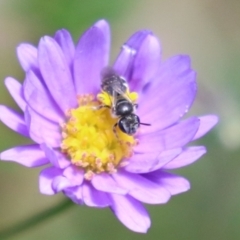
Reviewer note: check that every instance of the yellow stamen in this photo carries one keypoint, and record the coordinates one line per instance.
(89, 140)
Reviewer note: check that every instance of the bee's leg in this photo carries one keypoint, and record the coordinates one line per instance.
(115, 130)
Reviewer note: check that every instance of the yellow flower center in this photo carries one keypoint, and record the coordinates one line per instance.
(89, 140)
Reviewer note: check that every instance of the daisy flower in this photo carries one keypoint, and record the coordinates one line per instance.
(86, 154)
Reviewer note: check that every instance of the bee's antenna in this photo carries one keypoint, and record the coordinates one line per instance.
(146, 124)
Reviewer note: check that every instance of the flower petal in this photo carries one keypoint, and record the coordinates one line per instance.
(56, 158)
(165, 157)
(174, 137)
(39, 99)
(63, 161)
(124, 62)
(74, 193)
(28, 155)
(173, 183)
(188, 156)
(74, 174)
(143, 163)
(46, 178)
(94, 198)
(206, 124)
(104, 182)
(91, 57)
(41, 129)
(105, 28)
(27, 55)
(13, 120)
(50, 155)
(131, 213)
(142, 55)
(146, 63)
(31, 83)
(56, 73)
(64, 39)
(141, 188)
(169, 96)
(15, 89)
(59, 183)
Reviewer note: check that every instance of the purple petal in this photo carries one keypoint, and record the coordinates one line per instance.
(55, 157)
(173, 183)
(74, 193)
(31, 83)
(104, 182)
(74, 174)
(41, 103)
(104, 26)
(142, 162)
(94, 198)
(141, 188)
(27, 55)
(174, 137)
(124, 63)
(15, 89)
(63, 160)
(131, 213)
(50, 155)
(13, 120)
(64, 39)
(28, 155)
(147, 162)
(165, 157)
(188, 156)
(39, 98)
(206, 124)
(146, 63)
(59, 183)
(169, 96)
(41, 129)
(91, 57)
(56, 73)
(46, 178)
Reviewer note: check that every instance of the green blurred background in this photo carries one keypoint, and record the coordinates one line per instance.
(207, 30)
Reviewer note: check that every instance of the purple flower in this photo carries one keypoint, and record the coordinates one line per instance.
(89, 162)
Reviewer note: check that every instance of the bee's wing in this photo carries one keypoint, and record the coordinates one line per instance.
(116, 92)
(119, 91)
(114, 102)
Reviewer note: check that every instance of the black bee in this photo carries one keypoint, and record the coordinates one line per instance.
(122, 106)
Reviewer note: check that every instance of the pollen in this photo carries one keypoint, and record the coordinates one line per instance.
(106, 99)
(89, 141)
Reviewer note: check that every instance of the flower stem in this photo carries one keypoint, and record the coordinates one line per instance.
(34, 220)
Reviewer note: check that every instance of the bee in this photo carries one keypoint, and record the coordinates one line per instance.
(122, 106)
